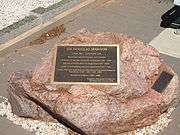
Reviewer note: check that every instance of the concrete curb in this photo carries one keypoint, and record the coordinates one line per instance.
(64, 17)
(36, 17)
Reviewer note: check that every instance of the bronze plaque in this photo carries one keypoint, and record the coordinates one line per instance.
(162, 82)
(86, 64)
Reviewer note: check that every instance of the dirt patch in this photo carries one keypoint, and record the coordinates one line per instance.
(57, 31)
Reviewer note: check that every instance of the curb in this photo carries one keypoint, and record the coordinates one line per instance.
(64, 17)
(36, 17)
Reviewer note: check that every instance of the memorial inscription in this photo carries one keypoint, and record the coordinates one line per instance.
(97, 64)
(162, 82)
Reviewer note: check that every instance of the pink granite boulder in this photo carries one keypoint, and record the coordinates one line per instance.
(97, 109)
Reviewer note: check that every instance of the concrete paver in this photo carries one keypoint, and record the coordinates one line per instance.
(139, 18)
(167, 43)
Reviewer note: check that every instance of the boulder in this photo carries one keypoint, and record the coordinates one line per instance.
(97, 109)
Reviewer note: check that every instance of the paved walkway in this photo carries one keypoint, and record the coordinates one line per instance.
(167, 43)
(139, 19)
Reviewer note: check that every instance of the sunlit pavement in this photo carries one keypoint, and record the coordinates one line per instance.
(167, 42)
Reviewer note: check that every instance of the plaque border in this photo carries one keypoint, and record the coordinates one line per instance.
(86, 83)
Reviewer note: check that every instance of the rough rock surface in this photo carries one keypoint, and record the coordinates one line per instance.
(97, 110)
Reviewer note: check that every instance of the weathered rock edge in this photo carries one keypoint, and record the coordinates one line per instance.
(97, 110)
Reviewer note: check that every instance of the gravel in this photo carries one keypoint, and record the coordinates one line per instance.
(47, 128)
(14, 10)
(34, 126)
